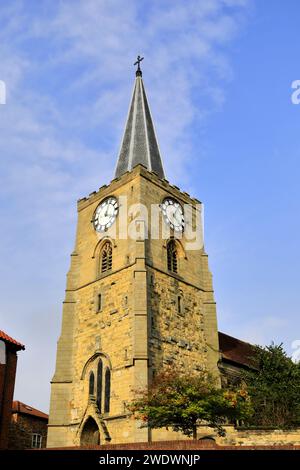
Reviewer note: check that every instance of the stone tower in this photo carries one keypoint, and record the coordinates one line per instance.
(139, 296)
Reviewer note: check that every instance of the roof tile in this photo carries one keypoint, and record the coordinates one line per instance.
(235, 350)
(19, 407)
(10, 340)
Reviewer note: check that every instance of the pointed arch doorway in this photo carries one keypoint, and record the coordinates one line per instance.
(90, 435)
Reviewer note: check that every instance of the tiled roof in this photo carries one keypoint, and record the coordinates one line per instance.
(11, 341)
(235, 350)
(19, 407)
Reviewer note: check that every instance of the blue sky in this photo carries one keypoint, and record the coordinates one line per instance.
(218, 76)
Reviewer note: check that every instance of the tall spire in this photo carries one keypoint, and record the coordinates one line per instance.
(139, 144)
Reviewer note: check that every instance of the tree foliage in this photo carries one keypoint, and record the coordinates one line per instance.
(181, 401)
(274, 388)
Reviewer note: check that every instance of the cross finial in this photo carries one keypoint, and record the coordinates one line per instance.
(138, 61)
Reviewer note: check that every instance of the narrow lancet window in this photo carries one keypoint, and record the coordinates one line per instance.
(107, 391)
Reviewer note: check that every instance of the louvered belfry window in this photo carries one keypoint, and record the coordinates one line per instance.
(106, 257)
(172, 257)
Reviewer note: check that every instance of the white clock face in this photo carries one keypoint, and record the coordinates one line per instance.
(105, 214)
(173, 214)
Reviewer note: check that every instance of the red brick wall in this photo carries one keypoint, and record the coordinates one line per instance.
(2, 380)
(7, 385)
(178, 445)
(21, 429)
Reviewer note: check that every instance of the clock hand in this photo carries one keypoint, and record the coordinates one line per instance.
(177, 212)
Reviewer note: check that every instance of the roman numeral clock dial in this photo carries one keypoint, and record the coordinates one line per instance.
(173, 214)
(105, 214)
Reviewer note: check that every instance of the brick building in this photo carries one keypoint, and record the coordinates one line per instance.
(28, 428)
(8, 366)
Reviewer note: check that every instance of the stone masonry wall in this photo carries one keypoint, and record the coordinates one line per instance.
(177, 338)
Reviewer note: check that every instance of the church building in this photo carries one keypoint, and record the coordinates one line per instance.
(133, 304)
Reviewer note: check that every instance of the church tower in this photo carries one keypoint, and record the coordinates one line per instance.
(139, 295)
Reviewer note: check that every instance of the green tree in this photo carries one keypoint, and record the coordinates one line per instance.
(181, 401)
(274, 388)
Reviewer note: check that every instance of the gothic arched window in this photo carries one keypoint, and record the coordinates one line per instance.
(172, 256)
(106, 257)
(107, 391)
(92, 384)
(99, 384)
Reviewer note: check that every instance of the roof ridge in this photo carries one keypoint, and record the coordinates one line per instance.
(236, 339)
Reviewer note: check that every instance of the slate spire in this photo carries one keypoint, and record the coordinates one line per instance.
(139, 144)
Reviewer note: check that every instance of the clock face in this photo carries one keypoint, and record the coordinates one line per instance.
(105, 214)
(173, 214)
